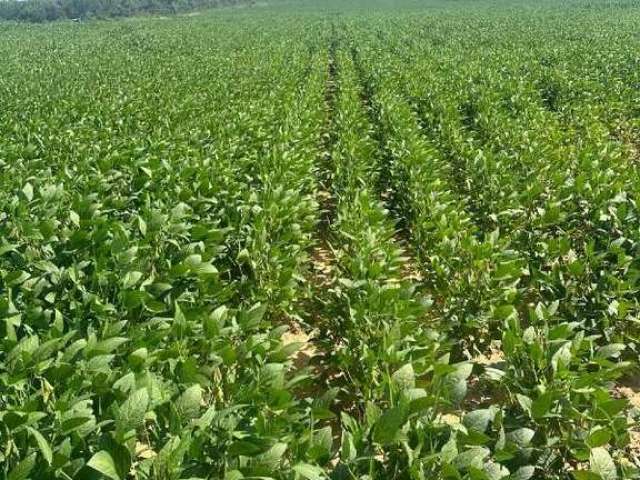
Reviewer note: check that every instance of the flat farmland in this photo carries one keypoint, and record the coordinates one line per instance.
(322, 240)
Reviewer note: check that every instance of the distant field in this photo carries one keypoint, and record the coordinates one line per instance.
(311, 240)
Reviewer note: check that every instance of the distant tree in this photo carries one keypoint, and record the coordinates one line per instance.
(49, 10)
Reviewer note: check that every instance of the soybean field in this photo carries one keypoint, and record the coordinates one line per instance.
(309, 240)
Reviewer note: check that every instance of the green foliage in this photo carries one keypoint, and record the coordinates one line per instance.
(380, 244)
(39, 11)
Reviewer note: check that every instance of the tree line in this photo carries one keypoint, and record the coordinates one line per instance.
(49, 10)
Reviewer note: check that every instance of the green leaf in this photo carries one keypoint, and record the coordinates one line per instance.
(171, 455)
(132, 411)
(272, 457)
(348, 449)
(601, 463)
(404, 377)
(523, 473)
(245, 448)
(205, 420)
(43, 445)
(521, 437)
(613, 407)
(234, 475)
(22, 470)
(324, 438)
(254, 315)
(138, 356)
(599, 437)
(473, 457)
(455, 383)
(142, 226)
(585, 475)
(27, 191)
(205, 268)
(215, 321)
(561, 358)
(494, 471)
(388, 426)
(541, 405)
(449, 451)
(188, 404)
(525, 402)
(611, 351)
(108, 345)
(103, 463)
(308, 471)
(478, 420)
(420, 404)
(74, 218)
(131, 279)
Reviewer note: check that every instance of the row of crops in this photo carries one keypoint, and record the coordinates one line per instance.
(309, 243)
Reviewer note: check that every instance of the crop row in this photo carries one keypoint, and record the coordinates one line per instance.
(300, 245)
(535, 257)
(154, 235)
